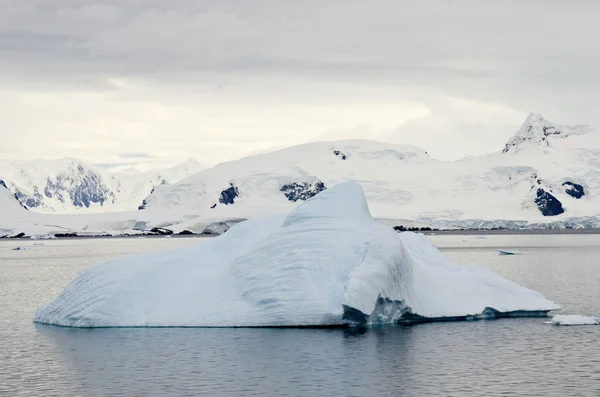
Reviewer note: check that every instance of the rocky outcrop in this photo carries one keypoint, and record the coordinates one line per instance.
(143, 205)
(228, 195)
(547, 203)
(32, 200)
(161, 230)
(302, 191)
(3, 185)
(340, 154)
(574, 190)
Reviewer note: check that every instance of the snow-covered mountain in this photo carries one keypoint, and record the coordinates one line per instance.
(70, 185)
(547, 176)
(545, 172)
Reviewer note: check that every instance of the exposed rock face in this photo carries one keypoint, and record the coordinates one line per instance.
(547, 203)
(3, 185)
(402, 228)
(302, 191)
(30, 200)
(340, 154)
(228, 195)
(143, 206)
(144, 202)
(161, 230)
(77, 186)
(574, 190)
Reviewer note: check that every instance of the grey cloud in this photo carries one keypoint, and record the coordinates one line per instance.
(113, 165)
(135, 155)
(520, 56)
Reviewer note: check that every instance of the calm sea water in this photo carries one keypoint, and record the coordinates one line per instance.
(523, 357)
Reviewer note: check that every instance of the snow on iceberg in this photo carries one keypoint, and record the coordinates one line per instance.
(574, 319)
(325, 263)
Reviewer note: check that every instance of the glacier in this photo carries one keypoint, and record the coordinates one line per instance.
(325, 263)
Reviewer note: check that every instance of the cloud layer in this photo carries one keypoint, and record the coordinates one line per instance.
(216, 80)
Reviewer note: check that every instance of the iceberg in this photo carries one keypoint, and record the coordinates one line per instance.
(326, 263)
(574, 319)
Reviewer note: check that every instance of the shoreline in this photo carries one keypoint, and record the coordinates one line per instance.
(458, 232)
(488, 232)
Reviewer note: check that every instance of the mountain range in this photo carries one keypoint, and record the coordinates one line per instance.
(547, 175)
(72, 186)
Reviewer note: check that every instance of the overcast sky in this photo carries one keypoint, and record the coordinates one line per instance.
(153, 82)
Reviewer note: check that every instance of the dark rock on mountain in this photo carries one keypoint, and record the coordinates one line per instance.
(228, 195)
(143, 206)
(574, 190)
(75, 184)
(340, 154)
(160, 230)
(144, 202)
(302, 191)
(62, 235)
(548, 204)
(412, 229)
(3, 185)
(30, 200)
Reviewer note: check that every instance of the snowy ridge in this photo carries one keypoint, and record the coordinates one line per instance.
(540, 179)
(325, 263)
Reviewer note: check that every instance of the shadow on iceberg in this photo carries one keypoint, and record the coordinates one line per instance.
(326, 263)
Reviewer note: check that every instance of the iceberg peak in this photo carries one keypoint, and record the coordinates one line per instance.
(336, 202)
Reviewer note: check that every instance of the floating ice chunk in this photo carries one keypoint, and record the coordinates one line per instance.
(508, 252)
(574, 319)
(325, 263)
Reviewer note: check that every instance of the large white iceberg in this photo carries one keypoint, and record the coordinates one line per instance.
(325, 263)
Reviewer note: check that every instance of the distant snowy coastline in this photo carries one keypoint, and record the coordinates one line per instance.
(547, 177)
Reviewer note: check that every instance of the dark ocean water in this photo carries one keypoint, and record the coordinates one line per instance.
(523, 357)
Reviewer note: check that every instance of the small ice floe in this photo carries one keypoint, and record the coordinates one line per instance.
(44, 237)
(507, 252)
(573, 319)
